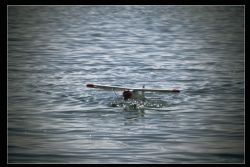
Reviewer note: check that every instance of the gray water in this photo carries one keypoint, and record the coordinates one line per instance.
(54, 51)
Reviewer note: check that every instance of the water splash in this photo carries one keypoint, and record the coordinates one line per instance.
(135, 104)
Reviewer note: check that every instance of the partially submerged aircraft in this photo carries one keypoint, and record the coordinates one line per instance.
(131, 93)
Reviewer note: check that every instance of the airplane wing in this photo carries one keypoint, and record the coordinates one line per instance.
(107, 87)
(157, 90)
(118, 88)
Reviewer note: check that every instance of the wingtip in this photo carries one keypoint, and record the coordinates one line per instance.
(90, 85)
(176, 90)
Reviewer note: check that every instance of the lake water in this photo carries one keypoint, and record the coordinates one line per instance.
(54, 51)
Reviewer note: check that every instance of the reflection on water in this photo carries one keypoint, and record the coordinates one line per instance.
(53, 51)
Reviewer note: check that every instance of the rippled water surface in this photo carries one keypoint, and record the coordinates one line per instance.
(54, 51)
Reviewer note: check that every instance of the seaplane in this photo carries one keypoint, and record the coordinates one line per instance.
(131, 93)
